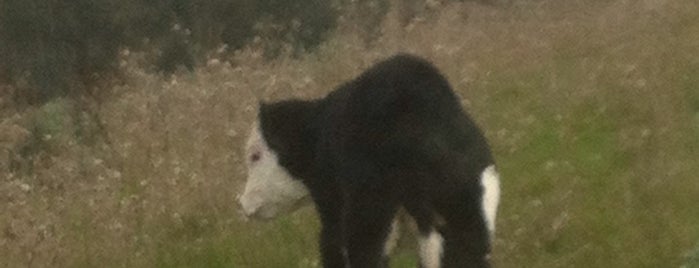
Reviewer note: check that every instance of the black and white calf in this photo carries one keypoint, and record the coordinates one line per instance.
(396, 136)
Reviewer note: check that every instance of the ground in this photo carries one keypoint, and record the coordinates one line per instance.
(592, 110)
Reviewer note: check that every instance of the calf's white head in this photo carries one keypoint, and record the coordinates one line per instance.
(269, 189)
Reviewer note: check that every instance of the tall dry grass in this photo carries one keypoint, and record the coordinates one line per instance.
(592, 108)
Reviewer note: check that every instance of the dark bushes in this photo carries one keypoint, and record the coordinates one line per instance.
(56, 48)
(54, 45)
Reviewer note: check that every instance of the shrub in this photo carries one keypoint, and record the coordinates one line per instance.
(56, 45)
(61, 48)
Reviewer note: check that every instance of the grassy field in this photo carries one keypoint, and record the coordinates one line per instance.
(592, 109)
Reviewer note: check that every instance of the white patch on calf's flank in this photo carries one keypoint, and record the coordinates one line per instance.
(431, 250)
(491, 196)
(269, 189)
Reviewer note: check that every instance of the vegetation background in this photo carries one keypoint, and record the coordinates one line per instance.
(122, 123)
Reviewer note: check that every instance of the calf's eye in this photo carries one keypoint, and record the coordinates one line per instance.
(254, 157)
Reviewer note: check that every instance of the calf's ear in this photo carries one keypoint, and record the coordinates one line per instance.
(285, 126)
(262, 108)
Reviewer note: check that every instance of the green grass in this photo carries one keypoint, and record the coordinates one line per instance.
(592, 112)
(192, 244)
